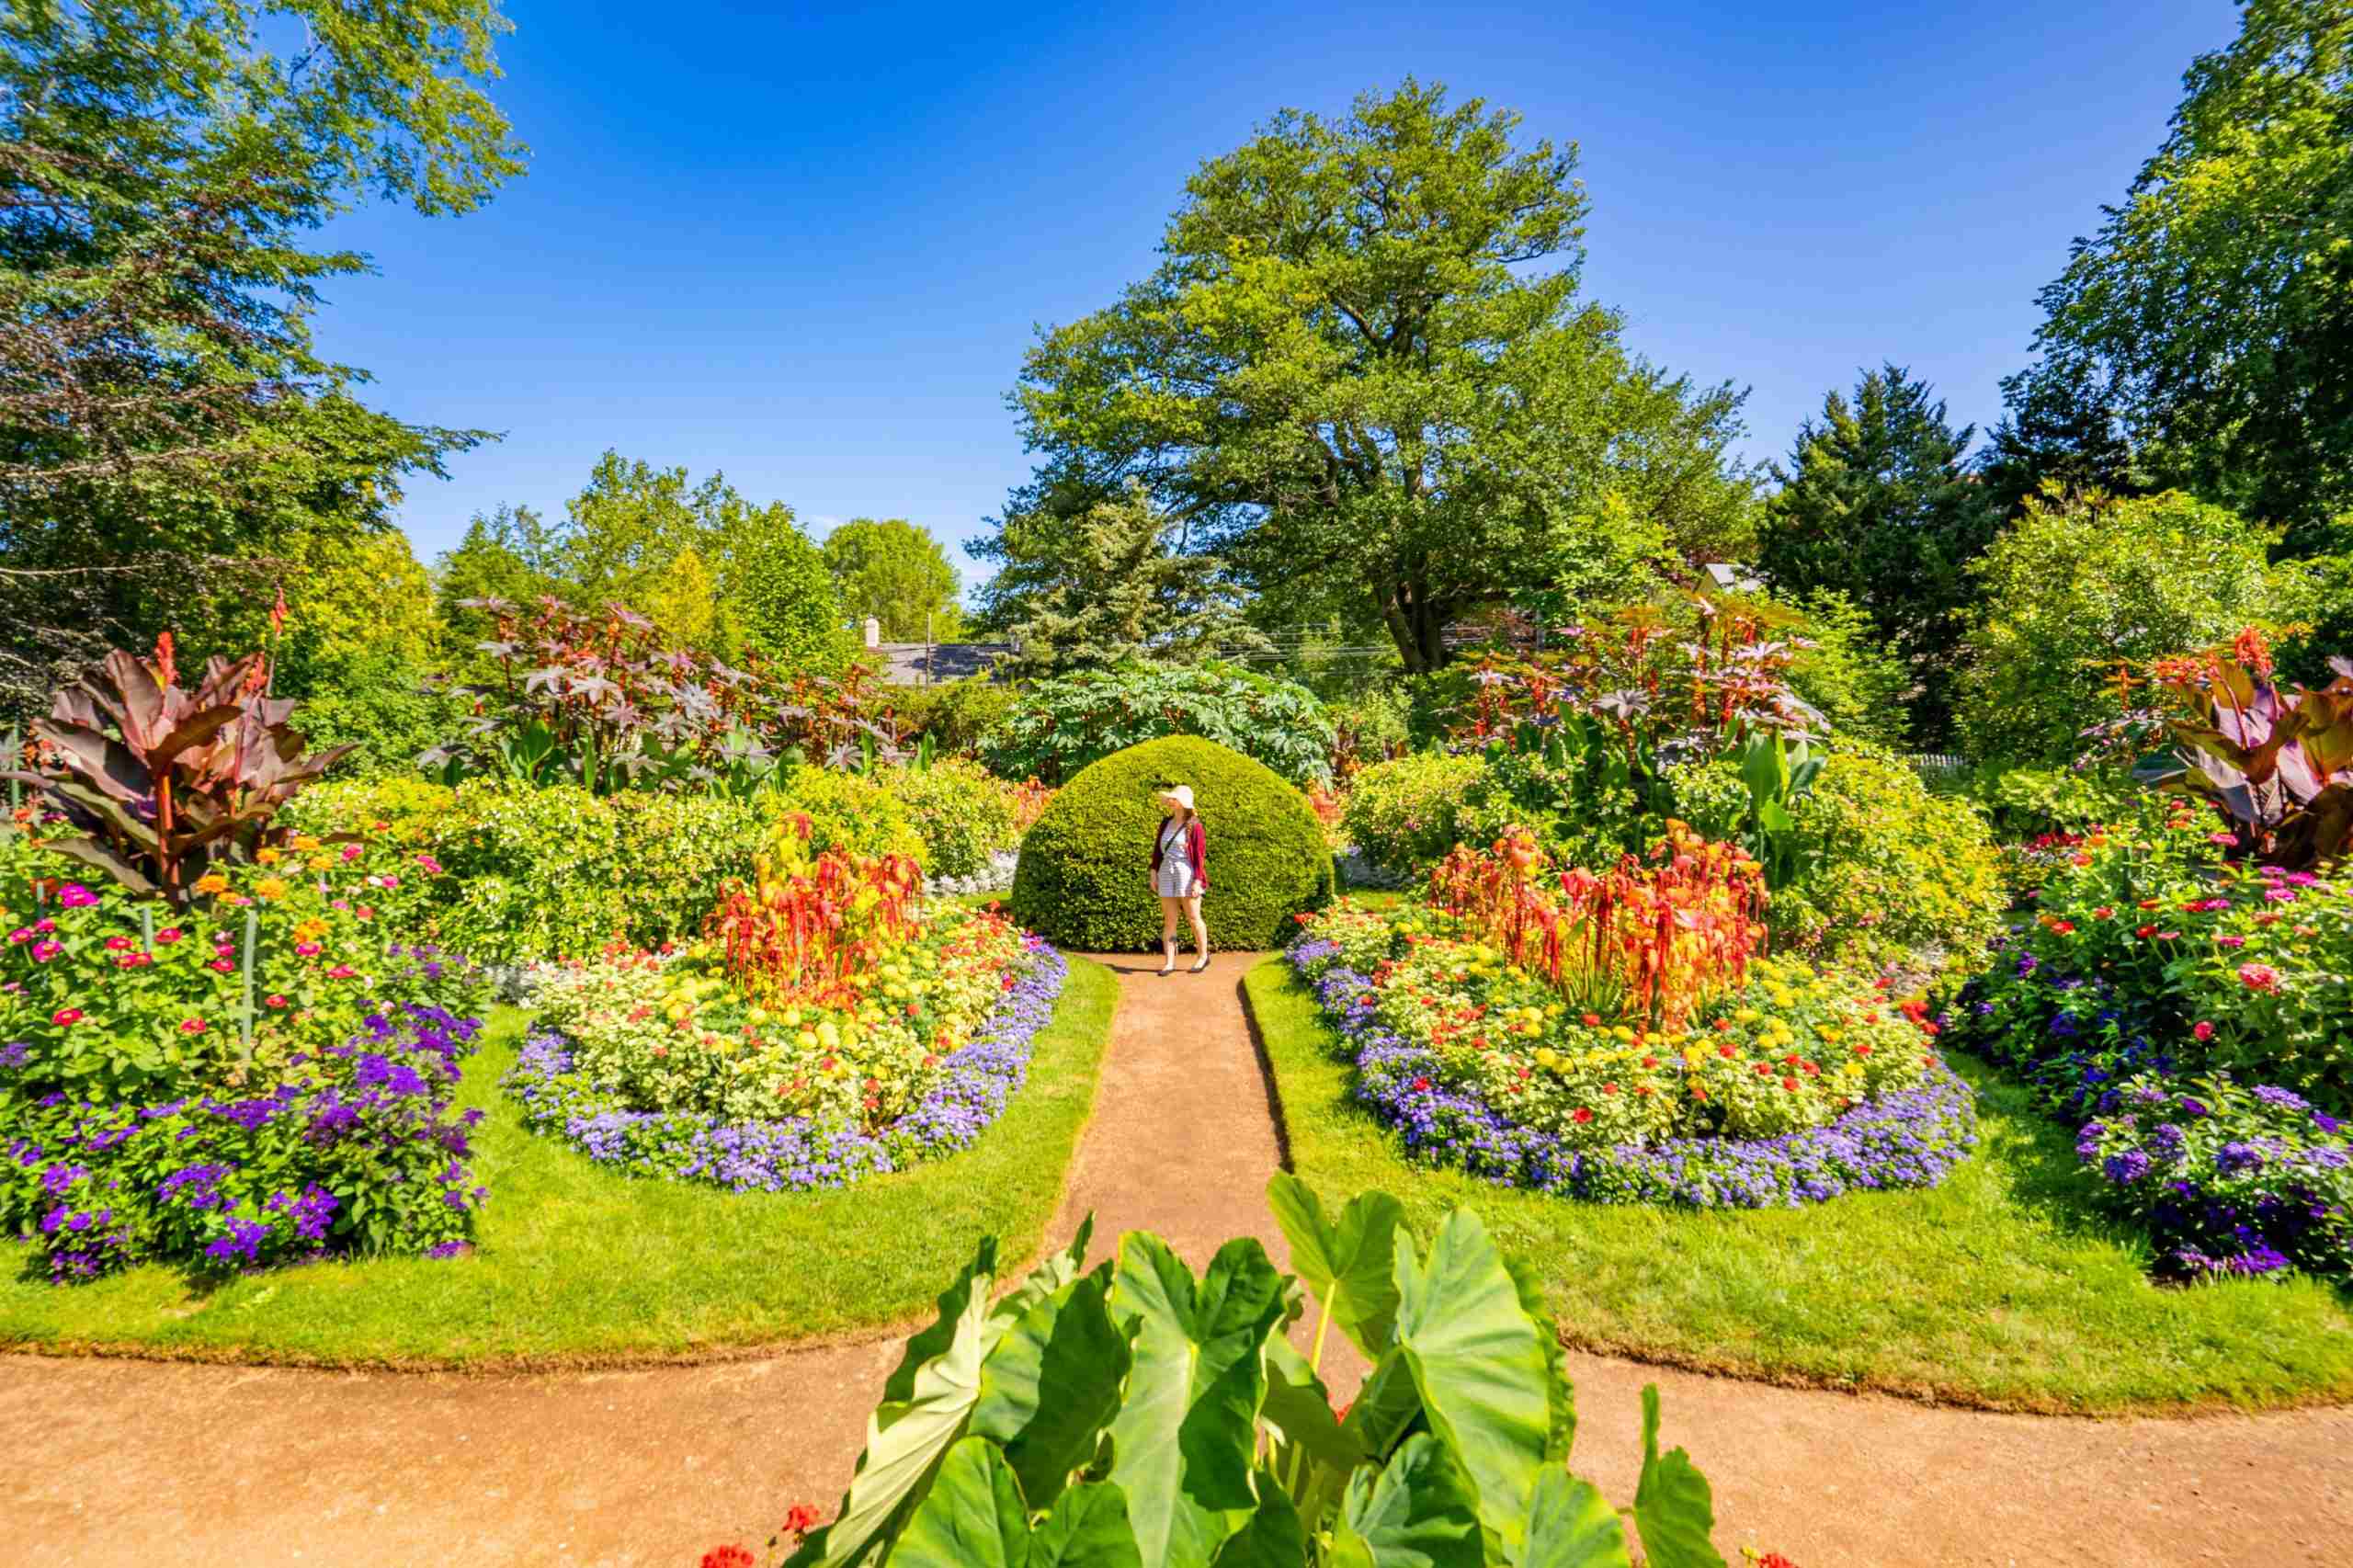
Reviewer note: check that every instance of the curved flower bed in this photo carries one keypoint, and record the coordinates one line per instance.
(967, 1092)
(1911, 1137)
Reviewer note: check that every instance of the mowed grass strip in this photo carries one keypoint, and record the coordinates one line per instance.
(1999, 1288)
(576, 1263)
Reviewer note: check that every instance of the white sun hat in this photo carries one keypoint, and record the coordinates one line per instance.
(1181, 794)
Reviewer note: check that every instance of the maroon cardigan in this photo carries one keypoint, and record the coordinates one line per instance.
(1197, 845)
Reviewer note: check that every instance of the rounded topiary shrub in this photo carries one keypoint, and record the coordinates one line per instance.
(1084, 880)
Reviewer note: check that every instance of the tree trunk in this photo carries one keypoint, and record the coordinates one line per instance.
(1417, 625)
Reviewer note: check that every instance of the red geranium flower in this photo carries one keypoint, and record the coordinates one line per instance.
(1789, 1083)
(1580, 1115)
(727, 1557)
(801, 1518)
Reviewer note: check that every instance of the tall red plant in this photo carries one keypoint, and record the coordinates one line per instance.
(815, 932)
(1649, 942)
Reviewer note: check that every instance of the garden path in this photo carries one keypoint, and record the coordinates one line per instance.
(127, 1463)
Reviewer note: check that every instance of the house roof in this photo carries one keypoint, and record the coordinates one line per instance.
(928, 664)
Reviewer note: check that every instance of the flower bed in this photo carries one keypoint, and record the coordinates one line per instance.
(353, 1149)
(2196, 1018)
(1787, 1086)
(660, 1066)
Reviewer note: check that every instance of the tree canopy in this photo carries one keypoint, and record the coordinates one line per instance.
(2213, 309)
(896, 573)
(1878, 505)
(1362, 376)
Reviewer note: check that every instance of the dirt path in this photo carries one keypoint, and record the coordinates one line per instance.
(130, 1463)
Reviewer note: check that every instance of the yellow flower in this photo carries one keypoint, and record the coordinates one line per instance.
(212, 882)
(269, 887)
(267, 856)
(305, 841)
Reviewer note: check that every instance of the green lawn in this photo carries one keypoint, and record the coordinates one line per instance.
(579, 1265)
(1996, 1289)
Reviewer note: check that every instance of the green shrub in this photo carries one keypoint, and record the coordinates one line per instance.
(1407, 813)
(1060, 726)
(409, 808)
(963, 813)
(1886, 867)
(1084, 880)
(848, 811)
(955, 713)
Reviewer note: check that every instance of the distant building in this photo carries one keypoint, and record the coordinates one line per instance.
(928, 664)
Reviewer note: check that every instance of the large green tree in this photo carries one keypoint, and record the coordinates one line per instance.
(1111, 585)
(1878, 505)
(168, 432)
(896, 573)
(1363, 376)
(2215, 303)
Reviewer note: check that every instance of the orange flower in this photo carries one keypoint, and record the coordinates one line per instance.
(212, 882)
(269, 887)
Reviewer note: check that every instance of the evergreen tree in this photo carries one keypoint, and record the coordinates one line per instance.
(2061, 433)
(1878, 505)
(1109, 587)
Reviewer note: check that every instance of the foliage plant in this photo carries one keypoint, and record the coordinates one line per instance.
(785, 1054)
(2279, 763)
(895, 573)
(1792, 1086)
(2156, 969)
(1876, 869)
(1059, 726)
(955, 714)
(1138, 1413)
(820, 809)
(963, 814)
(1408, 812)
(160, 782)
(105, 996)
(1084, 882)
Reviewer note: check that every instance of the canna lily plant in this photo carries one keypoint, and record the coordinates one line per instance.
(159, 781)
(2278, 762)
(1136, 1414)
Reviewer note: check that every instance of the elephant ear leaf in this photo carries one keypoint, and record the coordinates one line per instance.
(1350, 1266)
(1573, 1526)
(1052, 1384)
(1673, 1510)
(1271, 1538)
(1418, 1512)
(972, 1517)
(1182, 1441)
(1482, 1366)
(925, 1402)
(1087, 1528)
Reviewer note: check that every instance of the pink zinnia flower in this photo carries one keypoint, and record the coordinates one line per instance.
(224, 965)
(350, 853)
(66, 1017)
(2231, 942)
(118, 944)
(21, 934)
(44, 951)
(2259, 976)
(171, 935)
(73, 895)
(192, 1026)
(2202, 1029)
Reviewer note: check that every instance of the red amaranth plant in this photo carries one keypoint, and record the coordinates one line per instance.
(1651, 943)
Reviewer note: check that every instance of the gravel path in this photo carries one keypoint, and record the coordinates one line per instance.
(210, 1467)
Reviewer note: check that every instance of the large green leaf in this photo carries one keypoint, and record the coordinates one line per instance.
(1387, 1407)
(1673, 1508)
(1317, 1454)
(1050, 1275)
(1087, 1528)
(1573, 1526)
(1272, 1537)
(1419, 1511)
(1481, 1366)
(925, 1402)
(1560, 1393)
(1181, 1444)
(1351, 1266)
(1051, 1384)
(971, 1518)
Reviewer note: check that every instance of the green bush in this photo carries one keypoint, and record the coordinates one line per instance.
(955, 713)
(1060, 726)
(1084, 880)
(1407, 813)
(1887, 868)
(963, 813)
(848, 811)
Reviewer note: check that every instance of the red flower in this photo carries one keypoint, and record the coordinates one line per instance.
(1421, 1084)
(2259, 976)
(192, 1026)
(66, 1017)
(1726, 1050)
(1592, 1020)
(2062, 926)
(2202, 1029)
(1789, 1083)
(1580, 1115)
(2144, 932)
(2103, 913)
(727, 1557)
(801, 1518)
(117, 944)
(273, 1001)
(1608, 1089)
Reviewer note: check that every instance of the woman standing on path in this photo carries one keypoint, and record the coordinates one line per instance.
(1181, 874)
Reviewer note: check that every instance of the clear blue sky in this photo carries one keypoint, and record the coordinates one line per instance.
(808, 245)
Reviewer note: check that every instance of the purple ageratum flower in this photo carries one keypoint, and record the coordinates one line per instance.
(2127, 1167)
(2279, 1098)
(2238, 1159)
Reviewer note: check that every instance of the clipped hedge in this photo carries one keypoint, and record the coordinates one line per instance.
(1085, 880)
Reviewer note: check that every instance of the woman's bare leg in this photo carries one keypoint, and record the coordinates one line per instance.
(1171, 909)
(1200, 930)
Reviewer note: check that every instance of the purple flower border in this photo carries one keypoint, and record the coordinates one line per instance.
(1912, 1138)
(793, 1153)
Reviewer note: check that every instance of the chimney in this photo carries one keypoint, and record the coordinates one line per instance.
(873, 632)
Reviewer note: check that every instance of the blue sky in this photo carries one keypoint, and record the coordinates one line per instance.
(808, 245)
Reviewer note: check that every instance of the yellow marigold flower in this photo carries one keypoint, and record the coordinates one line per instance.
(269, 887)
(1747, 1015)
(212, 882)
(305, 841)
(267, 856)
